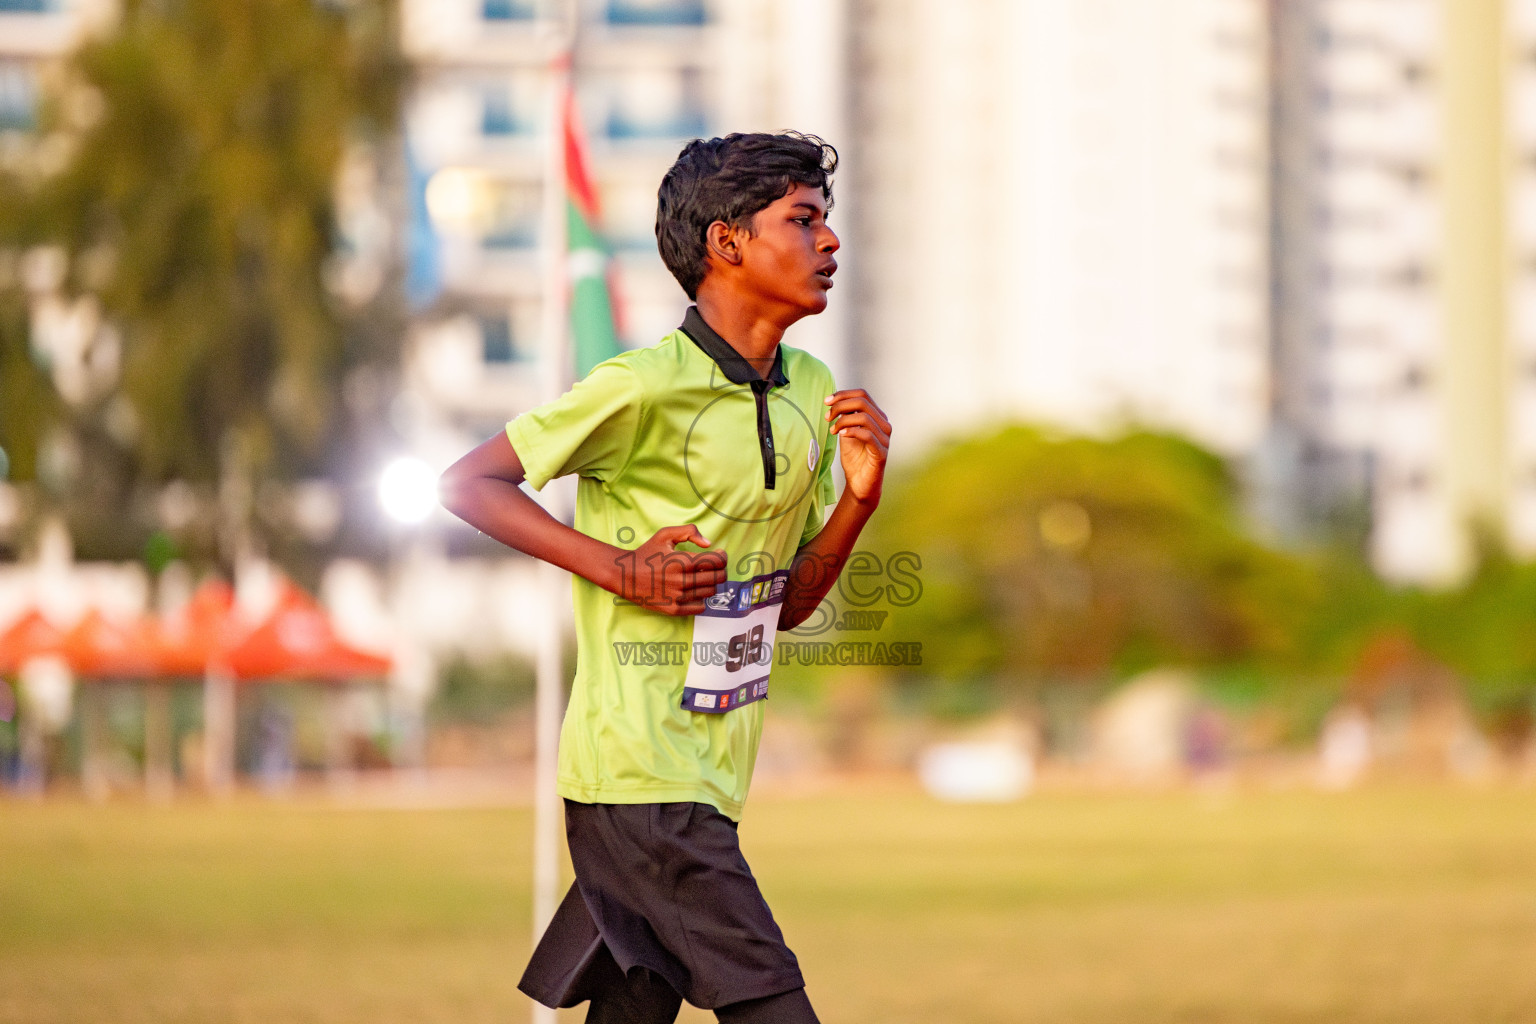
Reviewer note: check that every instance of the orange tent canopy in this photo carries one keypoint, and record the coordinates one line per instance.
(297, 642)
(31, 636)
(190, 639)
(99, 648)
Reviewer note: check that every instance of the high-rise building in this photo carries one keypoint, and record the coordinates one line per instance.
(1062, 213)
(1403, 349)
(1518, 109)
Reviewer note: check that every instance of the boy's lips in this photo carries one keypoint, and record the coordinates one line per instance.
(826, 272)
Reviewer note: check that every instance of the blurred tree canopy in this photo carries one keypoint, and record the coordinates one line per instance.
(1482, 629)
(193, 161)
(1051, 558)
(27, 399)
(1048, 559)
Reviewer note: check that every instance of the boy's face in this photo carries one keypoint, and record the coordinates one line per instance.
(787, 260)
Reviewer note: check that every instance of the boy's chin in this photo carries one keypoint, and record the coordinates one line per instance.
(815, 304)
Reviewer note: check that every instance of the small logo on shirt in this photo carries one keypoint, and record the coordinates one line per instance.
(713, 473)
(721, 602)
(703, 700)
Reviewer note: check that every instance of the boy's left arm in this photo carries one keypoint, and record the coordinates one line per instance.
(864, 439)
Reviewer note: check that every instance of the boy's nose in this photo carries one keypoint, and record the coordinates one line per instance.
(829, 242)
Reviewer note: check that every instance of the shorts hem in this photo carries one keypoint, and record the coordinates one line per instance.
(778, 986)
(650, 795)
(542, 997)
(782, 984)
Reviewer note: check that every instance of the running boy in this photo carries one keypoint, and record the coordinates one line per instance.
(704, 466)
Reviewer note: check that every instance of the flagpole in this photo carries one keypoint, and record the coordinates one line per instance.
(549, 669)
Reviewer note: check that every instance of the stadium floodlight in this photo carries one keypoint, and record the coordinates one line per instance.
(408, 490)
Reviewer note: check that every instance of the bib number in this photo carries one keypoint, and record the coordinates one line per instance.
(733, 644)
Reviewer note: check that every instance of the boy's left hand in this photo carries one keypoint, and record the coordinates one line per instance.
(864, 438)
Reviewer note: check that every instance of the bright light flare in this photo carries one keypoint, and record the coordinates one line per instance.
(408, 490)
(460, 198)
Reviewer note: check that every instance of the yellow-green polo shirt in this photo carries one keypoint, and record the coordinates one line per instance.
(665, 436)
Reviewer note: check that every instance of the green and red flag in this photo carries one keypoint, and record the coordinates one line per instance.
(593, 305)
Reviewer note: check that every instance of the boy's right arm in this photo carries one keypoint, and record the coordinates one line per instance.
(483, 489)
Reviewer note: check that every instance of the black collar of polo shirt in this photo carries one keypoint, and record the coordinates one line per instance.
(738, 370)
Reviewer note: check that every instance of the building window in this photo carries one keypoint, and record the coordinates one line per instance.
(1415, 176)
(28, 6)
(655, 12)
(496, 344)
(18, 97)
(655, 105)
(514, 219)
(1412, 276)
(629, 213)
(497, 116)
(507, 10)
(1342, 158)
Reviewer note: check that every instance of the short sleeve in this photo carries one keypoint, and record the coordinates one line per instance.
(589, 430)
(824, 493)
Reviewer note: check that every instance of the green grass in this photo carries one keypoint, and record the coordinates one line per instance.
(1388, 905)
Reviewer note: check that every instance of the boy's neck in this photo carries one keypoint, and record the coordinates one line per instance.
(754, 336)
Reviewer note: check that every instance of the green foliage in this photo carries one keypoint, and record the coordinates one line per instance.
(1050, 560)
(1048, 557)
(27, 399)
(1482, 629)
(197, 203)
(481, 692)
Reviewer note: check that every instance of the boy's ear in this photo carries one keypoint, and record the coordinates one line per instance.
(724, 242)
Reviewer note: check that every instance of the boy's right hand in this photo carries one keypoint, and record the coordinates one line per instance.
(657, 576)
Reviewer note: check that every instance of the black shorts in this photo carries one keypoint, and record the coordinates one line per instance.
(665, 887)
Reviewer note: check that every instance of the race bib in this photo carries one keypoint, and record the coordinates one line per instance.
(733, 644)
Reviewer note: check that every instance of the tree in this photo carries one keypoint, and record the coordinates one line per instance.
(27, 400)
(196, 204)
(1049, 558)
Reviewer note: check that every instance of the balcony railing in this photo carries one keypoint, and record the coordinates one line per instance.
(505, 10)
(656, 12)
(684, 124)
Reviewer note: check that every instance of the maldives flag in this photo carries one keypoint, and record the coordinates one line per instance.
(594, 324)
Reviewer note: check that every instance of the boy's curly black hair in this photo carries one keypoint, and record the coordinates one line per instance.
(730, 179)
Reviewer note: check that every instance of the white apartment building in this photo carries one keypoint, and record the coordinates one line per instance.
(1520, 119)
(1062, 212)
(1405, 309)
(1355, 310)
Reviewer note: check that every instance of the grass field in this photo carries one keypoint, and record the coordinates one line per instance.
(1386, 905)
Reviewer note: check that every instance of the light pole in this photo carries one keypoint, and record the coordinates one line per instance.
(407, 492)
